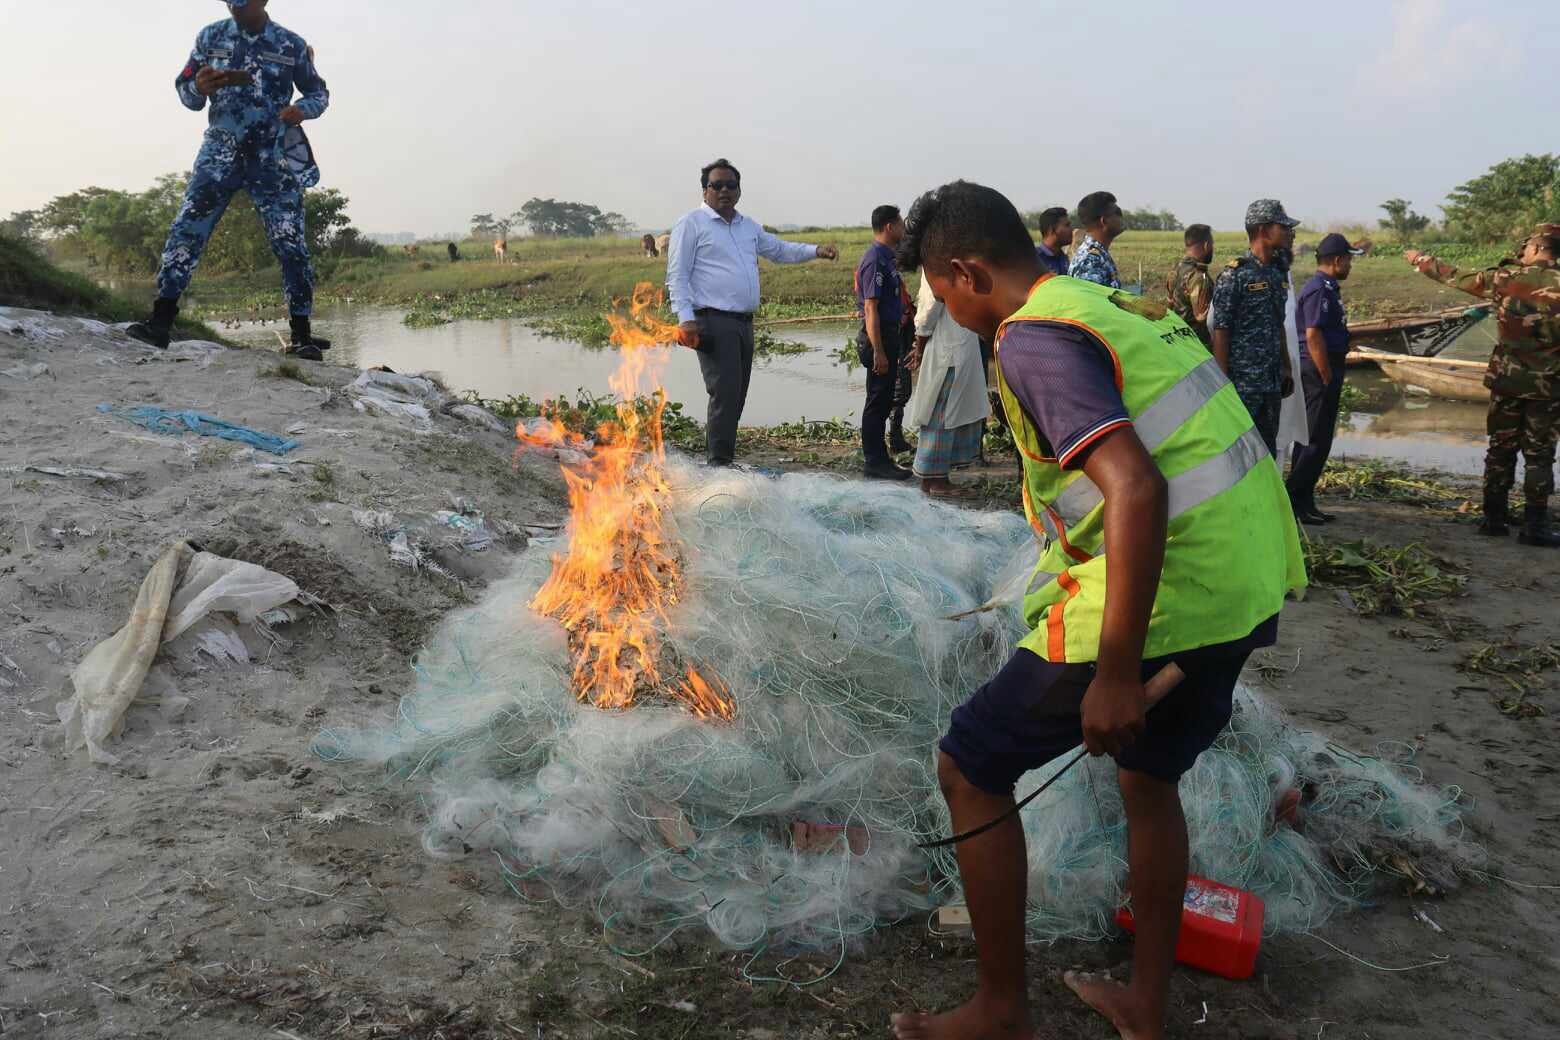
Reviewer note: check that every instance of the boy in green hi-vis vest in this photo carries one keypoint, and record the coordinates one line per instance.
(1138, 452)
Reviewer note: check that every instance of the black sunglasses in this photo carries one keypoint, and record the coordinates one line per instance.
(725, 185)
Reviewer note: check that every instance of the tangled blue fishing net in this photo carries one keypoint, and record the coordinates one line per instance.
(825, 605)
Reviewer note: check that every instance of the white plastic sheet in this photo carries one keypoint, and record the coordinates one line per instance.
(183, 588)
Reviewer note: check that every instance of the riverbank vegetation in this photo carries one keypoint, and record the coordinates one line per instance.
(565, 284)
(29, 279)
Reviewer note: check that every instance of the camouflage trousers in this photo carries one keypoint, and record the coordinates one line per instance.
(1528, 425)
(219, 173)
(1265, 409)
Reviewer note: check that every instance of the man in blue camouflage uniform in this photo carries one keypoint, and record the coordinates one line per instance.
(248, 66)
(1247, 321)
(1100, 217)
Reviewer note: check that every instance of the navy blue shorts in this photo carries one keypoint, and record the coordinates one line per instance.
(1031, 713)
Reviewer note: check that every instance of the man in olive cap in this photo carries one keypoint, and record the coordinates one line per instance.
(1248, 317)
(247, 66)
(1524, 378)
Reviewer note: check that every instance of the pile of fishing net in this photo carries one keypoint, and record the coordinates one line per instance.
(824, 606)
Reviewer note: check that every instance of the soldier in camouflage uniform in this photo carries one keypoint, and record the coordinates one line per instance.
(1190, 286)
(248, 66)
(1248, 317)
(1524, 378)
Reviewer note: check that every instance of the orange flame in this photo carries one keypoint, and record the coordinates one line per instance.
(612, 589)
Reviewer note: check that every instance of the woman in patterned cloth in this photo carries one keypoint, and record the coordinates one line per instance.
(949, 406)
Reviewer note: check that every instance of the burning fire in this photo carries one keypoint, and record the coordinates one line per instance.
(612, 590)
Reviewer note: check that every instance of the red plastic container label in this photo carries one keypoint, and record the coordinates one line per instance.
(1202, 899)
(1221, 928)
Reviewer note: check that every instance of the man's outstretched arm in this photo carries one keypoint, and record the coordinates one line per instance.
(1137, 506)
(773, 247)
(1479, 283)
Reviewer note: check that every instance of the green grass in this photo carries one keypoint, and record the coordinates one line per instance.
(567, 284)
(28, 279)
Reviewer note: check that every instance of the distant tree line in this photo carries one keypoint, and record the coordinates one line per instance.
(1136, 219)
(123, 232)
(549, 218)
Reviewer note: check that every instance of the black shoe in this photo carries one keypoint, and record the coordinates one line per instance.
(303, 336)
(885, 471)
(1310, 517)
(1326, 516)
(898, 445)
(1536, 530)
(1494, 525)
(307, 351)
(158, 329)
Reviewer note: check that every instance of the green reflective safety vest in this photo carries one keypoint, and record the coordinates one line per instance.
(1232, 551)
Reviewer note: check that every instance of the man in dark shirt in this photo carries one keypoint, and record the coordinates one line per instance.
(1056, 232)
(880, 343)
(1324, 330)
(1066, 391)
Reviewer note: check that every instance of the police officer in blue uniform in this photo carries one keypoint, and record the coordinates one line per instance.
(247, 66)
(1323, 325)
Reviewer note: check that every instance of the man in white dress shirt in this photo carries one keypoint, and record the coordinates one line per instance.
(712, 278)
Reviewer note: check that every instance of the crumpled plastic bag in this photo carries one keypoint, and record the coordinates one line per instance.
(182, 589)
(395, 395)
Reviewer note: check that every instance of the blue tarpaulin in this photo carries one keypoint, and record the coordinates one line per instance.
(180, 421)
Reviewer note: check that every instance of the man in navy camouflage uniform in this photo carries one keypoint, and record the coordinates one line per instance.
(1248, 316)
(1100, 217)
(248, 66)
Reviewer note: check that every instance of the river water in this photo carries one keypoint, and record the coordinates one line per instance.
(503, 357)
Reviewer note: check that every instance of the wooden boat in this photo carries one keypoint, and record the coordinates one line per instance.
(1421, 335)
(1441, 377)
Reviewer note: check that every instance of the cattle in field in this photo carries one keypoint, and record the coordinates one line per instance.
(651, 250)
(413, 251)
(663, 244)
(501, 250)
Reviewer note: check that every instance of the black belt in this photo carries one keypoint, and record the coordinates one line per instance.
(701, 311)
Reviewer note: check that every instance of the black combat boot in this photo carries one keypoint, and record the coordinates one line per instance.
(157, 329)
(1535, 527)
(897, 444)
(305, 344)
(1494, 515)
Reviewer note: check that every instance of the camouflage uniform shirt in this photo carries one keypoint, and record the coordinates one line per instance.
(245, 121)
(1190, 292)
(1248, 300)
(1526, 361)
(1092, 262)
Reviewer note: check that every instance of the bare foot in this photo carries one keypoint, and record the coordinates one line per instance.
(1114, 1001)
(977, 1020)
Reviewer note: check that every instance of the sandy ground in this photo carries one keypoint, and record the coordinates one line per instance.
(223, 882)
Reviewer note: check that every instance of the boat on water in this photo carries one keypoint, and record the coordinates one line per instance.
(1448, 378)
(1420, 335)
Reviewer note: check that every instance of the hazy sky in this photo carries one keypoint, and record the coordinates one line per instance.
(441, 110)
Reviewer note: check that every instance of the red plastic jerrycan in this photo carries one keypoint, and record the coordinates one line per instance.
(1221, 928)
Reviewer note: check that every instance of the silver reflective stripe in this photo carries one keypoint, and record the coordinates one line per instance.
(1173, 410)
(1178, 404)
(1077, 500)
(1200, 484)
(1216, 476)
